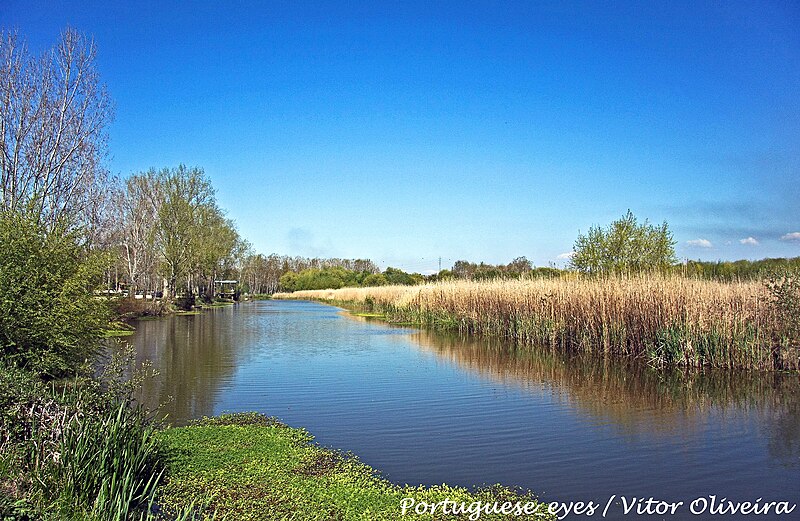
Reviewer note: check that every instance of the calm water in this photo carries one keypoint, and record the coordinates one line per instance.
(429, 408)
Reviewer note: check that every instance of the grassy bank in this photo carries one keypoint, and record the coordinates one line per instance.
(127, 311)
(666, 320)
(249, 467)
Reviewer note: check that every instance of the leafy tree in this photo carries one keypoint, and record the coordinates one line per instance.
(469, 270)
(334, 277)
(185, 204)
(442, 275)
(374, 279)
(288, 281)
(50, 321)
(398, 276)
(624, 247)
(737, 270)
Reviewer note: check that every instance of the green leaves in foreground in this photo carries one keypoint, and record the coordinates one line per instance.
(73, 452)
(50, 321)
(250, 467)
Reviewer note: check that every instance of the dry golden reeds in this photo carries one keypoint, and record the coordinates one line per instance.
(668, 320)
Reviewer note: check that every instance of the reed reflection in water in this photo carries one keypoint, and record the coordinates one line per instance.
(634, 398)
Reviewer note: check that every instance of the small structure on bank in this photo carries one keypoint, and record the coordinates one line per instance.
(226, 289)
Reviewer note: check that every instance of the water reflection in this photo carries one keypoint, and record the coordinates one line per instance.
(428, 408)
(633, 397)
(196, 357)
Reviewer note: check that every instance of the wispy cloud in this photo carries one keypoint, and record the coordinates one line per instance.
(566, 255)
(794, 236)
(700, 243)
(751, 241)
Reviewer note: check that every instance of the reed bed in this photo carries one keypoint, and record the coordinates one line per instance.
(666, 320)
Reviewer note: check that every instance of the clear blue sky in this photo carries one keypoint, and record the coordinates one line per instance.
(404, 131)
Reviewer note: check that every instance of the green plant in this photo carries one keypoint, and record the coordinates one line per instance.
(666, 318)
(78, 448)
(50, 321)
(250, 467)
(784, 291)
(624, 247)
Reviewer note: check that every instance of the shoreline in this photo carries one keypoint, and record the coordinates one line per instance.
(254, 467)
(664, 321)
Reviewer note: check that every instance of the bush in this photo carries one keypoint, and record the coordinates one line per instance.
(784, 289)
(50, 321)
(74, 450)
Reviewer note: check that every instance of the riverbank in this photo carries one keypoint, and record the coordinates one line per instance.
(74, 451)
(664, 320)
(250, 467)
(127, 311)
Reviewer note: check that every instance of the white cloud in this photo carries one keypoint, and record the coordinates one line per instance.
(750, 241)
(700, 243)
(567, 255)
(794, 236)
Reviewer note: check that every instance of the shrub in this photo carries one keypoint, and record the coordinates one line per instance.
(784, 290)
(74, 450)
(50, 321)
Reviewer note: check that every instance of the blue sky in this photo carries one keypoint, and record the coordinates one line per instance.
(404, 131)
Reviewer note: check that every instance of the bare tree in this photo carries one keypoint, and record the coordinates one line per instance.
(138, 206)
(53, 116)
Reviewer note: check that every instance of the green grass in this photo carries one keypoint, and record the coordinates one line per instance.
(217, 304)
(110, 333)
(72, 452)
(249, 467)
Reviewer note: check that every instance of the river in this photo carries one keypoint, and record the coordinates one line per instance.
(424, 407)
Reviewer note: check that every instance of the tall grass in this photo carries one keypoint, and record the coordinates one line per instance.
(111, 466)
(70, 455)
(666, 320)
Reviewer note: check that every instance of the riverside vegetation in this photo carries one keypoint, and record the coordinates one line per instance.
(77, 446)
(664, 319)
(622, 298)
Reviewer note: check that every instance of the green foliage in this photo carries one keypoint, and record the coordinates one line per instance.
(75, 451)
(375, 279)
(250, 468)
(240, 419)
(398, 277)
(784, 288)
(50, 321)
(517, 268)
(443, 275)
(462, 269)
(337, 277)
(327, 278)
(624, 247)
(738, 270)
(185, 198)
